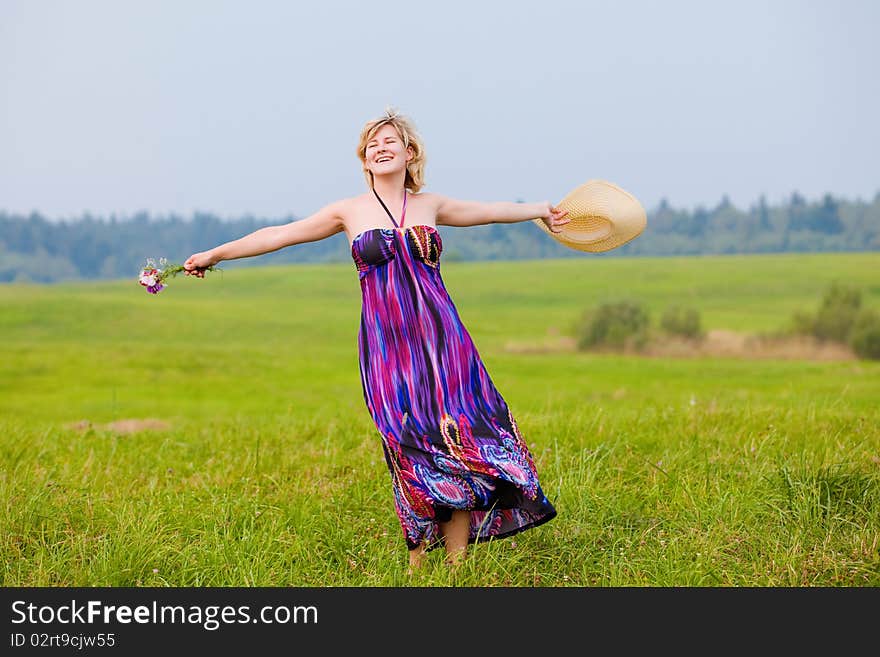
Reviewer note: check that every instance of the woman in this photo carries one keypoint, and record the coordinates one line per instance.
(460, 469)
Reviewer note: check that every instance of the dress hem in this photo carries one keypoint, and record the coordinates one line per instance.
(488, 537)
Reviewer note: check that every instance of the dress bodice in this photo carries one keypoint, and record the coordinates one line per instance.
(377, 246)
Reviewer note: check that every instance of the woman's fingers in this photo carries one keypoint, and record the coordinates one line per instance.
(191, 269)
(556, 219)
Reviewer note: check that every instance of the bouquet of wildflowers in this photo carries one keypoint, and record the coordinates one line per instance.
(155, 278)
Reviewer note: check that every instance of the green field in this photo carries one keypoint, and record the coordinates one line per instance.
(268, 470)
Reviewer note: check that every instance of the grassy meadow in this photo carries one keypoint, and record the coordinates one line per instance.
(216, 434)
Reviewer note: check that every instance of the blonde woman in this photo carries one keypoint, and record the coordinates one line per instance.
(460, 469)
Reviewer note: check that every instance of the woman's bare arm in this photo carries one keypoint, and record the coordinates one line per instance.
(454, 212)
(324, 223)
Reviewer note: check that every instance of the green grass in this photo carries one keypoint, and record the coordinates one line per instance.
(665, 472)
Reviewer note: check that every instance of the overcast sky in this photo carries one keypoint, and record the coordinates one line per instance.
(254, 107)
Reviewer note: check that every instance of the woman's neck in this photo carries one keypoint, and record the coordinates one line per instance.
(390, 187)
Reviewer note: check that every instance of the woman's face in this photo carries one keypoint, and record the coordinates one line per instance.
(385, 152)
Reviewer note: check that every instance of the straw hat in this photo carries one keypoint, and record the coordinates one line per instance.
(603, 217)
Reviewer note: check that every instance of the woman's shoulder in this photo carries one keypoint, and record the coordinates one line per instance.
(345, 206)
(353, 201)
(429, 198)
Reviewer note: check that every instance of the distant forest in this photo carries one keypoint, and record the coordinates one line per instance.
(36, 249)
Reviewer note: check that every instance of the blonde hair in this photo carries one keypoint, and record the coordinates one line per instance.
(415, 168)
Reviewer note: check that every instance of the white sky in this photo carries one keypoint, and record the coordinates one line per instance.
(254, 107)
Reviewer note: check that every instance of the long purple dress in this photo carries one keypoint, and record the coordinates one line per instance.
(449, 439)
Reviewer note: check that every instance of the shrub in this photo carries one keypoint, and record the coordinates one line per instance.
(835, 318)
(618, 325)
(865, 337)
(802, 323)
(685, 322)
(837, 313)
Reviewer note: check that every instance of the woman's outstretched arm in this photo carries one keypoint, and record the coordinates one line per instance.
(325, 222)
(454, 212)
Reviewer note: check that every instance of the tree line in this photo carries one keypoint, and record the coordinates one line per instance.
(34, 248)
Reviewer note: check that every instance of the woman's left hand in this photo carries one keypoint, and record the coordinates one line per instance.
(554, 218)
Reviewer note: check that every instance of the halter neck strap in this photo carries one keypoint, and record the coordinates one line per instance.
(391, 216)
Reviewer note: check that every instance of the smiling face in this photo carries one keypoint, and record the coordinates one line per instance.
(385, 152)
(390, 146)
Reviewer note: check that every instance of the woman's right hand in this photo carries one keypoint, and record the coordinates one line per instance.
(198, 263)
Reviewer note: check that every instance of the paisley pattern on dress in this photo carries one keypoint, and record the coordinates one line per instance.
(449, 438)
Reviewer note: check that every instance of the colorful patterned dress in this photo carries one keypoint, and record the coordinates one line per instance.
(449, 439)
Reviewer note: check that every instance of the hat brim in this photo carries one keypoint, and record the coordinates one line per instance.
(602, 216)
